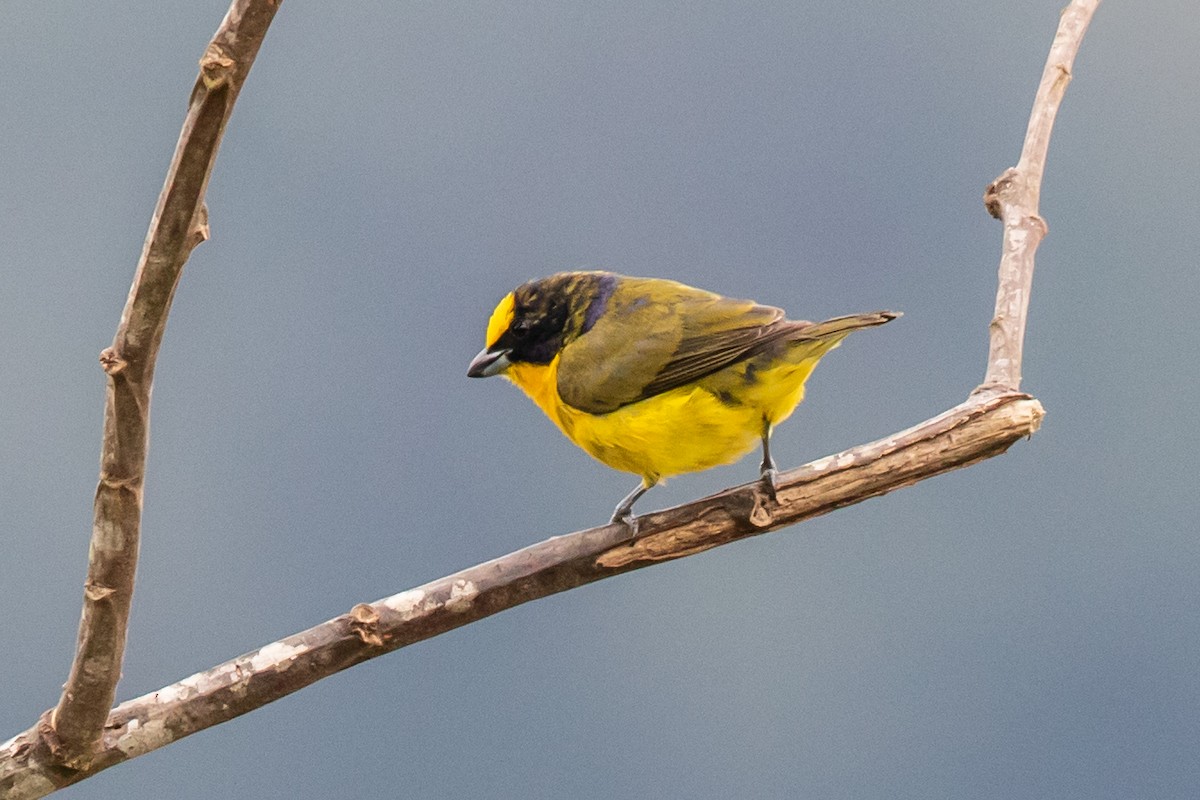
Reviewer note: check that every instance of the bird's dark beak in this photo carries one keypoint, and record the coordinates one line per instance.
(488, 363)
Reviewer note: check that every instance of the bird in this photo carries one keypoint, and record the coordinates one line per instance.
(654, 377)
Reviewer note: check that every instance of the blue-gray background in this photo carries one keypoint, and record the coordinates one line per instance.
(1025, 628)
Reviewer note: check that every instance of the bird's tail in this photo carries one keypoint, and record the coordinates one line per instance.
(838, 327)
(811, 340)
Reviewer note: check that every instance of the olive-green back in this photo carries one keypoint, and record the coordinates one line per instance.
(656, 335)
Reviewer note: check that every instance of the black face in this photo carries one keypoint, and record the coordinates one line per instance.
(549, 313)
(540, 313)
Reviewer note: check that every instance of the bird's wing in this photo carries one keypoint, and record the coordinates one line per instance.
(657, 335)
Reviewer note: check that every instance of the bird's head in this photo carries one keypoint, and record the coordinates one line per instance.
(533, 323)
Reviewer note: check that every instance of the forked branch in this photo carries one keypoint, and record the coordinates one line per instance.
(993, 418)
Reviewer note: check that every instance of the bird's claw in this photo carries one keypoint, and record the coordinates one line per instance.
(629, 521)
(770, 482)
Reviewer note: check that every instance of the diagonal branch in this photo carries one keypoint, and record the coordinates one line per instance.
(178, 225)
(977, 429)
(992, 419)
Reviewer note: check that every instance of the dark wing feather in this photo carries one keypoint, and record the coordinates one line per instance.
(656, 335)
(703, 355)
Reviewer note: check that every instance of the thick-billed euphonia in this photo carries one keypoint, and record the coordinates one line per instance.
(653, 377)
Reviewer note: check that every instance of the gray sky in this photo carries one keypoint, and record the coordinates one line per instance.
(1025, 628)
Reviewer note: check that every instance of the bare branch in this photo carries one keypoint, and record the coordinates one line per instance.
(180, 222)
(985, 425)
(1014, 196)
(980, 428)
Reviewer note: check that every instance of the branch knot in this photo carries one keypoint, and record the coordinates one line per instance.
(1000, 192)
(96, 592)
(216, 67)
(364, 621)
(110, 362)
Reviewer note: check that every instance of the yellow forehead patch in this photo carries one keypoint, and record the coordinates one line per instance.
(501, 318)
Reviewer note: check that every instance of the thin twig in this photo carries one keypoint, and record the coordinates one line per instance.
(1014, 196)
(978, 429)
(178, 225)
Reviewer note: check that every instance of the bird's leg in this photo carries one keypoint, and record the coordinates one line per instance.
(624, 510)
(766, 470)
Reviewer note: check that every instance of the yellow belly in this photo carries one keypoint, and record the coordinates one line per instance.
(715, 421)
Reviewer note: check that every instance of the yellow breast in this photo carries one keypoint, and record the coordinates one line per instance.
(714, 421)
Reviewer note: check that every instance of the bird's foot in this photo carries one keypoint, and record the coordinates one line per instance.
(627, 519)
(624, 510)
(769, 478)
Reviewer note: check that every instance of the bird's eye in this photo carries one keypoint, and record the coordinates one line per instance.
(521, 327)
